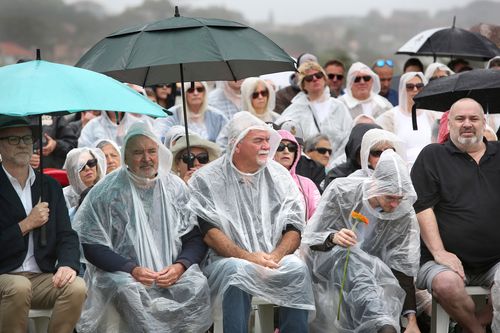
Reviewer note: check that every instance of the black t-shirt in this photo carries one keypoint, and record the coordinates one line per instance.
(466, 201)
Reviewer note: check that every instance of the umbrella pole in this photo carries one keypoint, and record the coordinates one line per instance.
(43, 228)
(184, 112)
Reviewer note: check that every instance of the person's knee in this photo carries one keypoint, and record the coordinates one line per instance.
(19, 291)
(447, 284)
(76, 291)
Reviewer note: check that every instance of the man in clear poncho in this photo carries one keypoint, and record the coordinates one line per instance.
(382, 252)
(142, 247)
(250, 212)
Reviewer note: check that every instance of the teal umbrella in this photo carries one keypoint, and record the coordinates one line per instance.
(41, 87)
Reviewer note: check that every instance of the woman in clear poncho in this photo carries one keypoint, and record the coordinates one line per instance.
(85, 167)
(253, 210)
(372, 297)
(142, 220)
(398, 120)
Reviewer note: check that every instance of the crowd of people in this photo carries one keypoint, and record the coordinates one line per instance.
(153, 234)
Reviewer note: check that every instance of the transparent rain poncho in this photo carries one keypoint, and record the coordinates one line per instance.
(75, 161)
(252, 210)
(495, 296)
(372, 296)
(142, 219)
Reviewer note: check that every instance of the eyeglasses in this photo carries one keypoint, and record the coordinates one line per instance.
(15, 140)
(162, 85)
(323, 150)
(412, 86)
(365, 78)
(339, 77)
(198, 89)
(377, 153)
(90, 163)
(189, 158)
(263, 93)
(383, 62)
(317, 75)
(292, 147)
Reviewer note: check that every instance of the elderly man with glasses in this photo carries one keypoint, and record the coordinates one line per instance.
(142, 247)
(34, 274)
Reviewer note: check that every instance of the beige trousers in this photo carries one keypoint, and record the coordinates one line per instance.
(21, 291)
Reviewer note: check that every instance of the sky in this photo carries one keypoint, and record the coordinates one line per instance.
(287, 11)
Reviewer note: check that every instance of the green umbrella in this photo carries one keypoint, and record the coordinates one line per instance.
(180, 49)
(207, 49)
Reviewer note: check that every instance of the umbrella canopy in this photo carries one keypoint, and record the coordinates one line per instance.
(208, 49)
(482, 85)
(41, 87)
(450, 42)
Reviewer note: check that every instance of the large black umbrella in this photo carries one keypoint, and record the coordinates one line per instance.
(450, 42)
(180, 49)
(482, 85)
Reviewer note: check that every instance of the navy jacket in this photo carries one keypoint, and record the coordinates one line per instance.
(62, 247)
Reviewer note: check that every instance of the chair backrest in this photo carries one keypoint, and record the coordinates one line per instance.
(60, 175)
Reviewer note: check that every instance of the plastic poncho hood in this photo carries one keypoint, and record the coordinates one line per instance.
(403, 94)
(144, 220)
(374, 138)
(354, 71)
(242, 123)
(75, 162)
(247, 89)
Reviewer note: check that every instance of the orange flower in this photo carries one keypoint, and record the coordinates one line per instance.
(359, 217)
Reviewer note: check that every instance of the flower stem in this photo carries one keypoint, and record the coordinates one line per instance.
(341, 294)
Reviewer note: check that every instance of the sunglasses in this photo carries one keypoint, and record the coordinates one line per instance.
(90, 163)
(383, 62)
(377, 153)
(323, 150)
(437, 77)
(189, 158)
(163, 85)
(412, 86)
(198, 89)
(310, 77)
(263, 93)
(339, 77)
(365, 78)
(292, 147)
(15, 140)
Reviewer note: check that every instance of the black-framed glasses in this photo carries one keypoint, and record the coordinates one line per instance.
(200, 90)
(339, 77)
(437, 77)
(383, 62)
(412, 86)
(189, 158)
(292, 147)
(90, 163)
(15, 140)
(263, 93)
(365, 78)
(162, 85)
(317, 75)
(323, 150)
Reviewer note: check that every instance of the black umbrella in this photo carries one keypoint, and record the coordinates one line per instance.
(450, 42)
(482, 85)
(180, 49)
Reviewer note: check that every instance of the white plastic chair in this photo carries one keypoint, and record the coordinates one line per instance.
(440, 320)
(39, 320)
(264, 317)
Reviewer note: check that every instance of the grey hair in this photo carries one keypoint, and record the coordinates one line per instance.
(310, 144)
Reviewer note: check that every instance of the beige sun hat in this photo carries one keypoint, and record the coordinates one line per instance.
(195, 140)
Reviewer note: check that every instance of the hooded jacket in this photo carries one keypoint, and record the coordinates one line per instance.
(306, 186)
